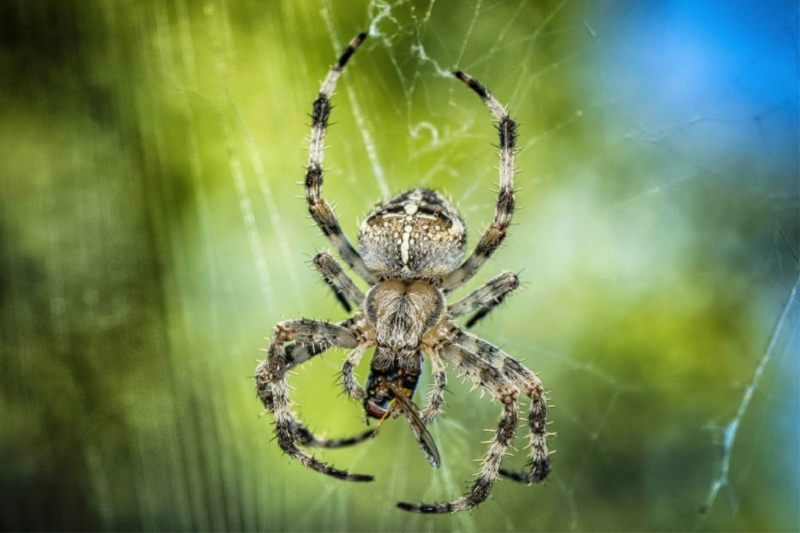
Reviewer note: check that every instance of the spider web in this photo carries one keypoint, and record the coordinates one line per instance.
(158, 240)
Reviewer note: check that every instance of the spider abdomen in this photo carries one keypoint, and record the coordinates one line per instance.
(417, 234)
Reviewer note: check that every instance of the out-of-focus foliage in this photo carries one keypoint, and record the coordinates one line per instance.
(149, 240)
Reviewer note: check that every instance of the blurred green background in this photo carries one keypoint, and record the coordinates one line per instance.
(150, 238)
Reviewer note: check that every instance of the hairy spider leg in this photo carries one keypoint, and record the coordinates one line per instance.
(490, 379)
(436, 397)
(530, 385)
(337, 279)
(320, 210)
(493, 237)
(297, 354)
(273, 388)
(351, 386)
(485, 298)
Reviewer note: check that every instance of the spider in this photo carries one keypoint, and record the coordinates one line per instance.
(410, 254)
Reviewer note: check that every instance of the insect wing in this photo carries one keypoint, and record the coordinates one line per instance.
(423, 435)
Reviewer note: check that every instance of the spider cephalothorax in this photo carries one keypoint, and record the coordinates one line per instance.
(410, 253)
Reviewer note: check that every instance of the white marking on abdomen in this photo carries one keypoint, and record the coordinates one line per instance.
(404, 244)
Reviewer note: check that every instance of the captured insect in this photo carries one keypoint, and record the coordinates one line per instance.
(411, 253)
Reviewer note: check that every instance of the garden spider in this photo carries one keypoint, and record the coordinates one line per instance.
(410, 254)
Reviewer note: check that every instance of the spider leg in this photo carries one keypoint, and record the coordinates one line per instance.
(490, 379)
(320, 210)
(297, 354)
(349, 382)
(273, 389)
(345, 289)
(306, 438)
(436, 398)
(532, 387)
(493, 237)
(485, 298)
